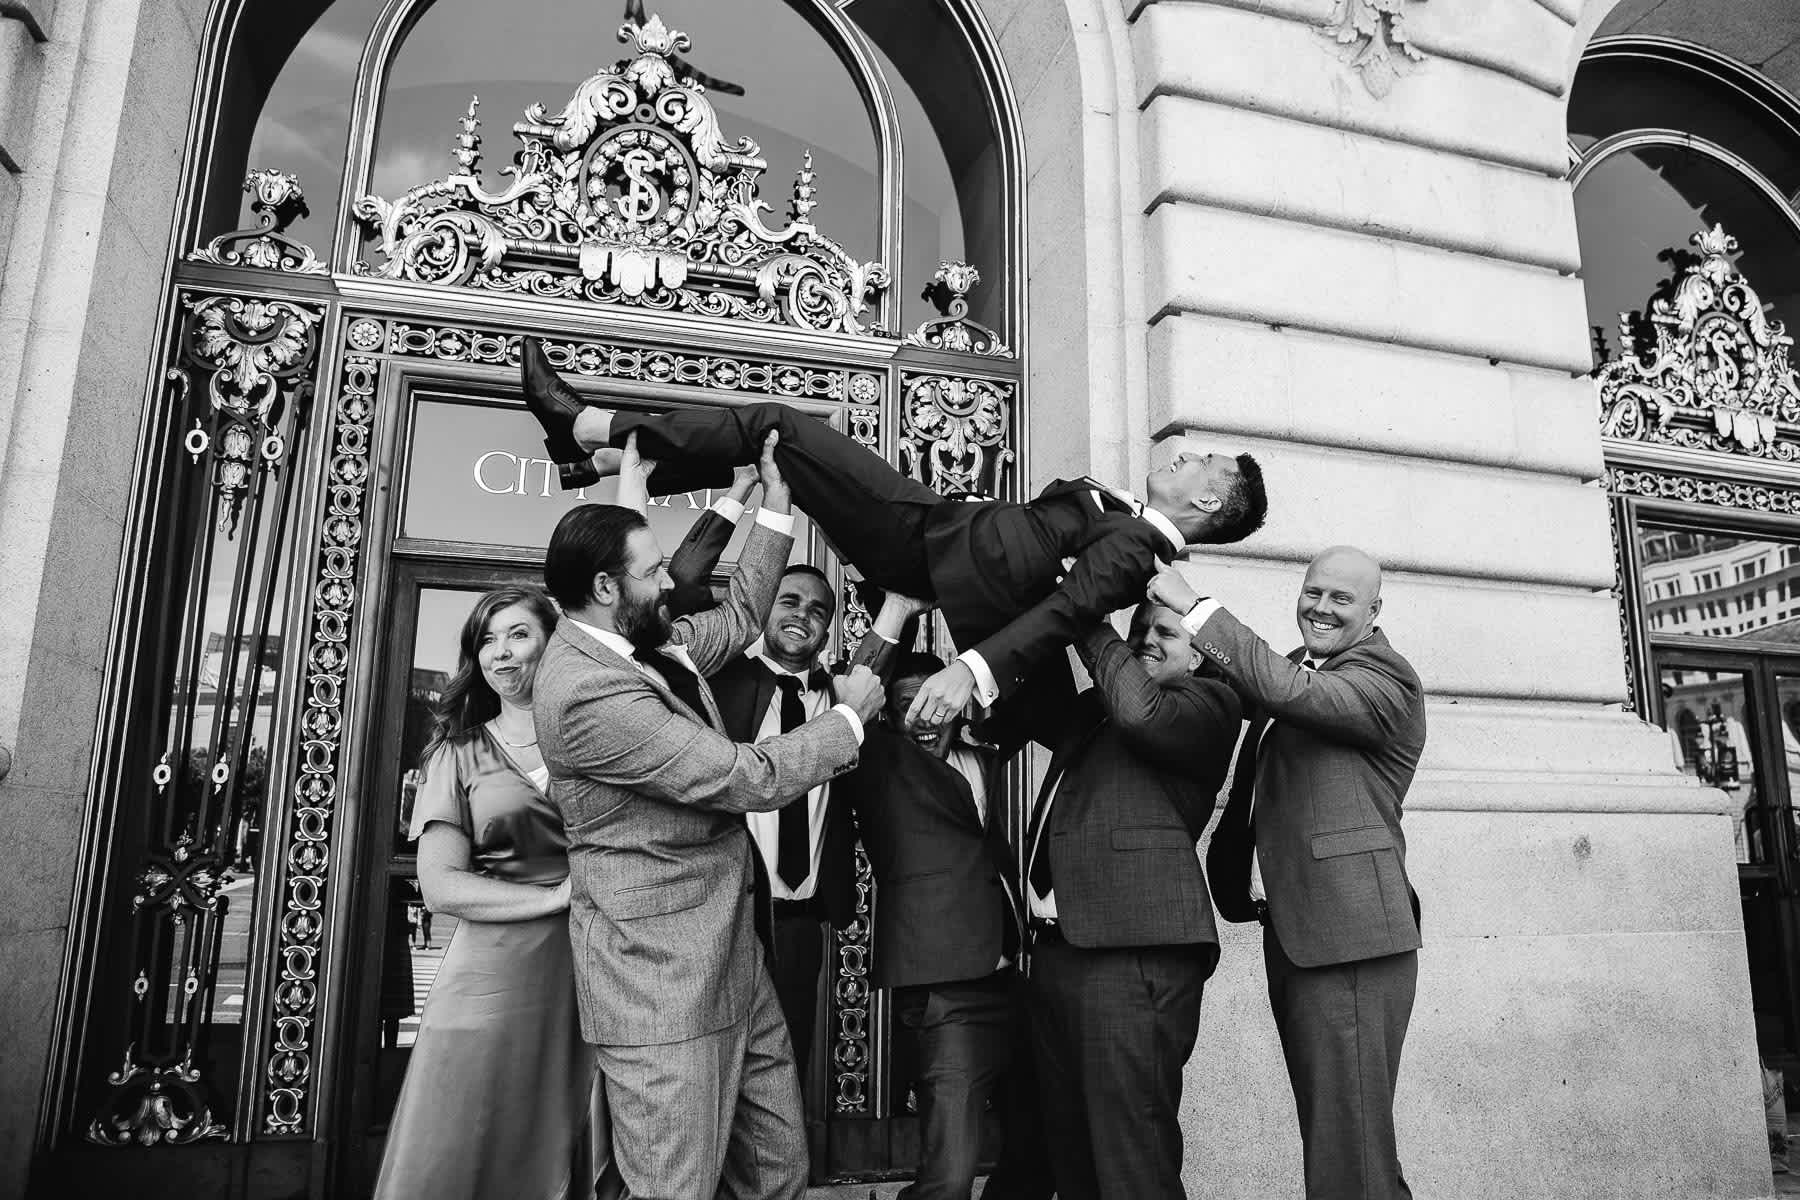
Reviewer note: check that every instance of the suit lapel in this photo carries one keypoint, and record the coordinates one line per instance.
(608, 657)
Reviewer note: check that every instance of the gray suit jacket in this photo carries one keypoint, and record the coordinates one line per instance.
(1330, 772)
(652, 796)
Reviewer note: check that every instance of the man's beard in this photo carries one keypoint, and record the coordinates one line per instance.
(645, 623)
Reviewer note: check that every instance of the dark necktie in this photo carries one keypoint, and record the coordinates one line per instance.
(1039, 872)
(793, 845)
(683, 682)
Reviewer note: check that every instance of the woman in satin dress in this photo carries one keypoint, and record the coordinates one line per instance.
(500, 1087)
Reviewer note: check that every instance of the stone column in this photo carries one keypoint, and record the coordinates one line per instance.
(1368, 278)
(94, 98)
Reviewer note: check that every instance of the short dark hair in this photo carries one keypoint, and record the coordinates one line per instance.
(814, 572)
(1243, 509)
(915, 664)
(590, 540)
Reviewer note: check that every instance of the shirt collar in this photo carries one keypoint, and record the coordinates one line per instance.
(756, 651)
(620, 644)
(1165, 527)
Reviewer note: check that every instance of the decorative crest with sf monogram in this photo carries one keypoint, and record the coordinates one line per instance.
(1704, 367)
(630, 195)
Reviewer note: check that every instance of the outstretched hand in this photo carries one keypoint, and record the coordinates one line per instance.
(775, 489)
(634, 478)
(942, 696)
(743, 478)
(1170, 588)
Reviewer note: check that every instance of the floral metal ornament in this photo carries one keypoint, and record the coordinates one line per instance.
(949, 291)
(277, 202)
(1704, 367)
(255, 357)
(631, 195)
(243, 369)
(954, 433)
(1374, 35)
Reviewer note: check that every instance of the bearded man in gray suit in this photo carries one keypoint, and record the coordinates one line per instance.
(674, 995)
(1311, 846)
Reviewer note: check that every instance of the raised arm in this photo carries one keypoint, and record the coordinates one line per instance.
(715, 637)
(1363, 702)
(880, 647)
(1168, 725)
(624, 733)
(1109, 575)
(691, 566)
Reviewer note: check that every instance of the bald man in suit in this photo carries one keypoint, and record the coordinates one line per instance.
(1311, 846)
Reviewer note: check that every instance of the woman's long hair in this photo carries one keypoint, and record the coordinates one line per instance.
(468, 702)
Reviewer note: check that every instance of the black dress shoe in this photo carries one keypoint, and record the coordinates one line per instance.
(555, 405)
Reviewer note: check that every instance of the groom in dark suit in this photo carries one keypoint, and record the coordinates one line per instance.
(995, 570)
(1311, 846)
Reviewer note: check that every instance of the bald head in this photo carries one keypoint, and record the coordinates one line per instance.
(1339, 601)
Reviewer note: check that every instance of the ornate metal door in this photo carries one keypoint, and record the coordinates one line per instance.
(1701, 419)
(286, 487)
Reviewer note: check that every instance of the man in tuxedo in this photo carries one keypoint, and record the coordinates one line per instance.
(1122, 936)
(669, 975)
(996, 570)
(947, 924)
(806, 849)
(1311, 846)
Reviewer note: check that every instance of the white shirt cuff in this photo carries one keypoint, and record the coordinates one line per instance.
(729, 507)
(1200, 615)
(986, 690)
(774, 522)
(850, 716)
(884, 637)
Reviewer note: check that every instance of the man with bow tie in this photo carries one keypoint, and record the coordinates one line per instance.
(670, 979)
(1310, 845)
(1016, 583)
(806, 850)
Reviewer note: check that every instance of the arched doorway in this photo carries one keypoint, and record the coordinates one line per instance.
(343, 460)
(1685, 165)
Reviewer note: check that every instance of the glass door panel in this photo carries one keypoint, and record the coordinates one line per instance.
(1706, 712)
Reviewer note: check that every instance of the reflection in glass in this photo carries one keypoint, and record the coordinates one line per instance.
(478, 474)
(1615, 94)
(413, 944)
(304, 126)
(1719, 585)
(440, 620)
(1708, 719)
(1636, 211)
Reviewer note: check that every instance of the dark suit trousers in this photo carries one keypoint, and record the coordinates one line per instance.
(856, 499)
(1113, 1030)
(1341, 1029)
(799, 953)
(964, 1033)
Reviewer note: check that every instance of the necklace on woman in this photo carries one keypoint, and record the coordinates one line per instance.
(512, 745)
